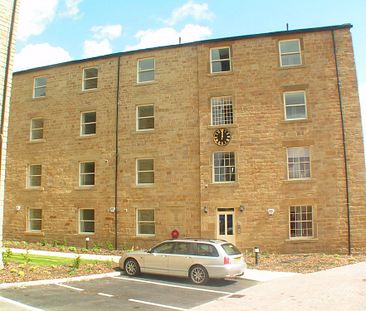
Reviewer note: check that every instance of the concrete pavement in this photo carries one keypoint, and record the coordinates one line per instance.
(338, 289)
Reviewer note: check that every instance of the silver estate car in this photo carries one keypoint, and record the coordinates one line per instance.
(194, 258)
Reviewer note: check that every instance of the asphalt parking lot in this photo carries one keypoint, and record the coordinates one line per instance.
(123, 293)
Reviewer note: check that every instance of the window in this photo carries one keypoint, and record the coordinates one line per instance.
(295, 105)
(145, 70)
(301, 221)
(88, 123)
(207, 250)
(145, 171)
(145, 222)
(34, 219)
(87, 221)
(298, 160)
(39, 87)
(290, 54)
(145, 117)
(90, 78)
(221, 110)
(36, 129)
(87, 174)
(34, 175)
(220, 60)
(164, 248)
(224, 166)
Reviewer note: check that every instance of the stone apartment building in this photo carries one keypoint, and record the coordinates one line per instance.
(255, 139)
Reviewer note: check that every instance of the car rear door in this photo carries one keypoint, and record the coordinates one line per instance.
(181, 259)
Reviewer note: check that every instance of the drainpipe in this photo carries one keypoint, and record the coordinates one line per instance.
(116, 160)
(344, 145)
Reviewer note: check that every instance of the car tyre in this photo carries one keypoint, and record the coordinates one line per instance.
(132, 268)
(198, 275)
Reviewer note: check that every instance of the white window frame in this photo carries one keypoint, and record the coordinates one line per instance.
(213, 168)
(221, 60)
(86, 79)
(38, 87)
(296, 105)
(29, 219)
(301, 221)
(95, 168)
(29, 186)
(146, 70)
(288, 168)
(291, 53)
(221, 98)
(137, 172)
(139, 222)
(87, 123)
(149, 117)
(36, 129)
(93, 221)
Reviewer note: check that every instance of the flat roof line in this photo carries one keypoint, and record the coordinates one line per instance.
(117, 54)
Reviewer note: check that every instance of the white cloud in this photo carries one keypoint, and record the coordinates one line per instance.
(102, 35)
(109, 32)
(190, 9)
(72, 8)
(36, 55)
(34, 16)
(95, 48)
(167, 36)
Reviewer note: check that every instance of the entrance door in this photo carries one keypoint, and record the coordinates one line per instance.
(225, 224)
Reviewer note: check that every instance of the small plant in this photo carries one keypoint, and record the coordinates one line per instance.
(76, 263)
(61, 248)
(21, 274)
(65, 242)
(110, 246)
(6, 256)
(96, 248)
(26, 257)
(43, 242)
(55, 243)
(72, 249)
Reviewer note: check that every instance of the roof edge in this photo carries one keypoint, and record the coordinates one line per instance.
(117, 54)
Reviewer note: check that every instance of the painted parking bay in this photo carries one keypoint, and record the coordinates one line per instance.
(124, 293)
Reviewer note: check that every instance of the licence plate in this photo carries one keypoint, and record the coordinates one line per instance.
(237, 259)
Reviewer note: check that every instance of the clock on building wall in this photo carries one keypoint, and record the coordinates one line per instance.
(222, 137)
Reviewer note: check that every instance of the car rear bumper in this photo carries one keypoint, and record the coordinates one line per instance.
(226, 271)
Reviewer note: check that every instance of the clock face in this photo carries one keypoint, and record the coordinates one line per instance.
(222, 137)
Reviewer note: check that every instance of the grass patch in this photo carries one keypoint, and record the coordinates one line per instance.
(39, 260)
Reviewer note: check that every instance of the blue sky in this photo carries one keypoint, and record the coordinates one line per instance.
(53, 31)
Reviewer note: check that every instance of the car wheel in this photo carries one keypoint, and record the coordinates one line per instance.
(198, 275)
(132, 268)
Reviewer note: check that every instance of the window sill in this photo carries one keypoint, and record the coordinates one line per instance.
(145, 236)
(147, 131)
(145, 186)
(86, 136)
(221, 73)
(84, 188)
(86, 233)
(222, 126)
(303, 240)
(34, 233)
(146, 83)
(36, 141)
(89, 90)
(291, 121)
(292, 67)
(35, 189)
(225, 184)
(39, 98)
(304, 180)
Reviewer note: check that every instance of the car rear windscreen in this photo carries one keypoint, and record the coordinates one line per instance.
(230, 249)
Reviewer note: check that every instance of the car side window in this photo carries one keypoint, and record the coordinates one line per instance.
(183, 248)
(165, 248)
(207, 250)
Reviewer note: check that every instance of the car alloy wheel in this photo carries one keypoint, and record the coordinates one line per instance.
(198, 275)
(132, 267)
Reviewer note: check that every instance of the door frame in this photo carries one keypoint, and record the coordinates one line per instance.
(225, 211)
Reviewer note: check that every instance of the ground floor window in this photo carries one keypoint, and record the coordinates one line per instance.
(145, 222)
(301, 221)
(34, 219)
(86, 221)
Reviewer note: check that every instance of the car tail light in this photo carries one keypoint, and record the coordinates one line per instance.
(226, 260)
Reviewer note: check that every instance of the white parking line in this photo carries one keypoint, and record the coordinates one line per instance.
(157, 305)
(70, 287)
(19, 304)
(105, 295)
(172, 285)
